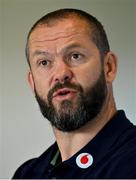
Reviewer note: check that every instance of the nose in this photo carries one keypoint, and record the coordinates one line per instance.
(62, 73)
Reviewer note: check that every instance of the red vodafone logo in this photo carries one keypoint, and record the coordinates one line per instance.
(84, 160)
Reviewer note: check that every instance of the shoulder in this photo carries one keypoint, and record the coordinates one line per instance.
(124, 157)
(23, 169)
(124, 164)
(126, 143)
(33, 168)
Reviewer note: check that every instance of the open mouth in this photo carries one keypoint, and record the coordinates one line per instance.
(64, 93)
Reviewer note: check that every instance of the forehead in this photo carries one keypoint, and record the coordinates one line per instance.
(60, 28)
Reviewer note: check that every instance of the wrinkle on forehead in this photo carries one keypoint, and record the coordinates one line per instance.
(59, 43)
(56, 37)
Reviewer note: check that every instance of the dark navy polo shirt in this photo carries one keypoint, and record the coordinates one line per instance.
(113, 151)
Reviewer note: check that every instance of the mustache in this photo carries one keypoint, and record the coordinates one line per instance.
(60, 86)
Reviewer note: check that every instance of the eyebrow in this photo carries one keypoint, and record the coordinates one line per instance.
(72, 46)
(39, 52)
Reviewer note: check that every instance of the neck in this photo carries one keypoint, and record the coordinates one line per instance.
(71, 142)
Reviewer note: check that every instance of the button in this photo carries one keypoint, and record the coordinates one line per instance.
(84, 160)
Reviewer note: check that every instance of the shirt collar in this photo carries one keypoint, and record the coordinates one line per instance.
(104, 140)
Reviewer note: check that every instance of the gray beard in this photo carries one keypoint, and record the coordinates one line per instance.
(67, 118)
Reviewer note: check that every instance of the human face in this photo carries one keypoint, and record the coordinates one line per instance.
(64, 54)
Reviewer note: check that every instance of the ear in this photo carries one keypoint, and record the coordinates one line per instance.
(31, 80)
(110, 66)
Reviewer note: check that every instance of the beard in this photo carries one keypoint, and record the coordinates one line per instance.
(88, 105)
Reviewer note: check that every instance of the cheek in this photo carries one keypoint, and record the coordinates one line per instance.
(41, 86)
(87, 76)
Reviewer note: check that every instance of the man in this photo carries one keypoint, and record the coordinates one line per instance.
(71, 74)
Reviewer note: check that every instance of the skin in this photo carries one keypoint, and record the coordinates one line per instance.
(60, 42)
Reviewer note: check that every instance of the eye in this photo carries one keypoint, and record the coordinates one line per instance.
(76, 56)
(44, 63)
